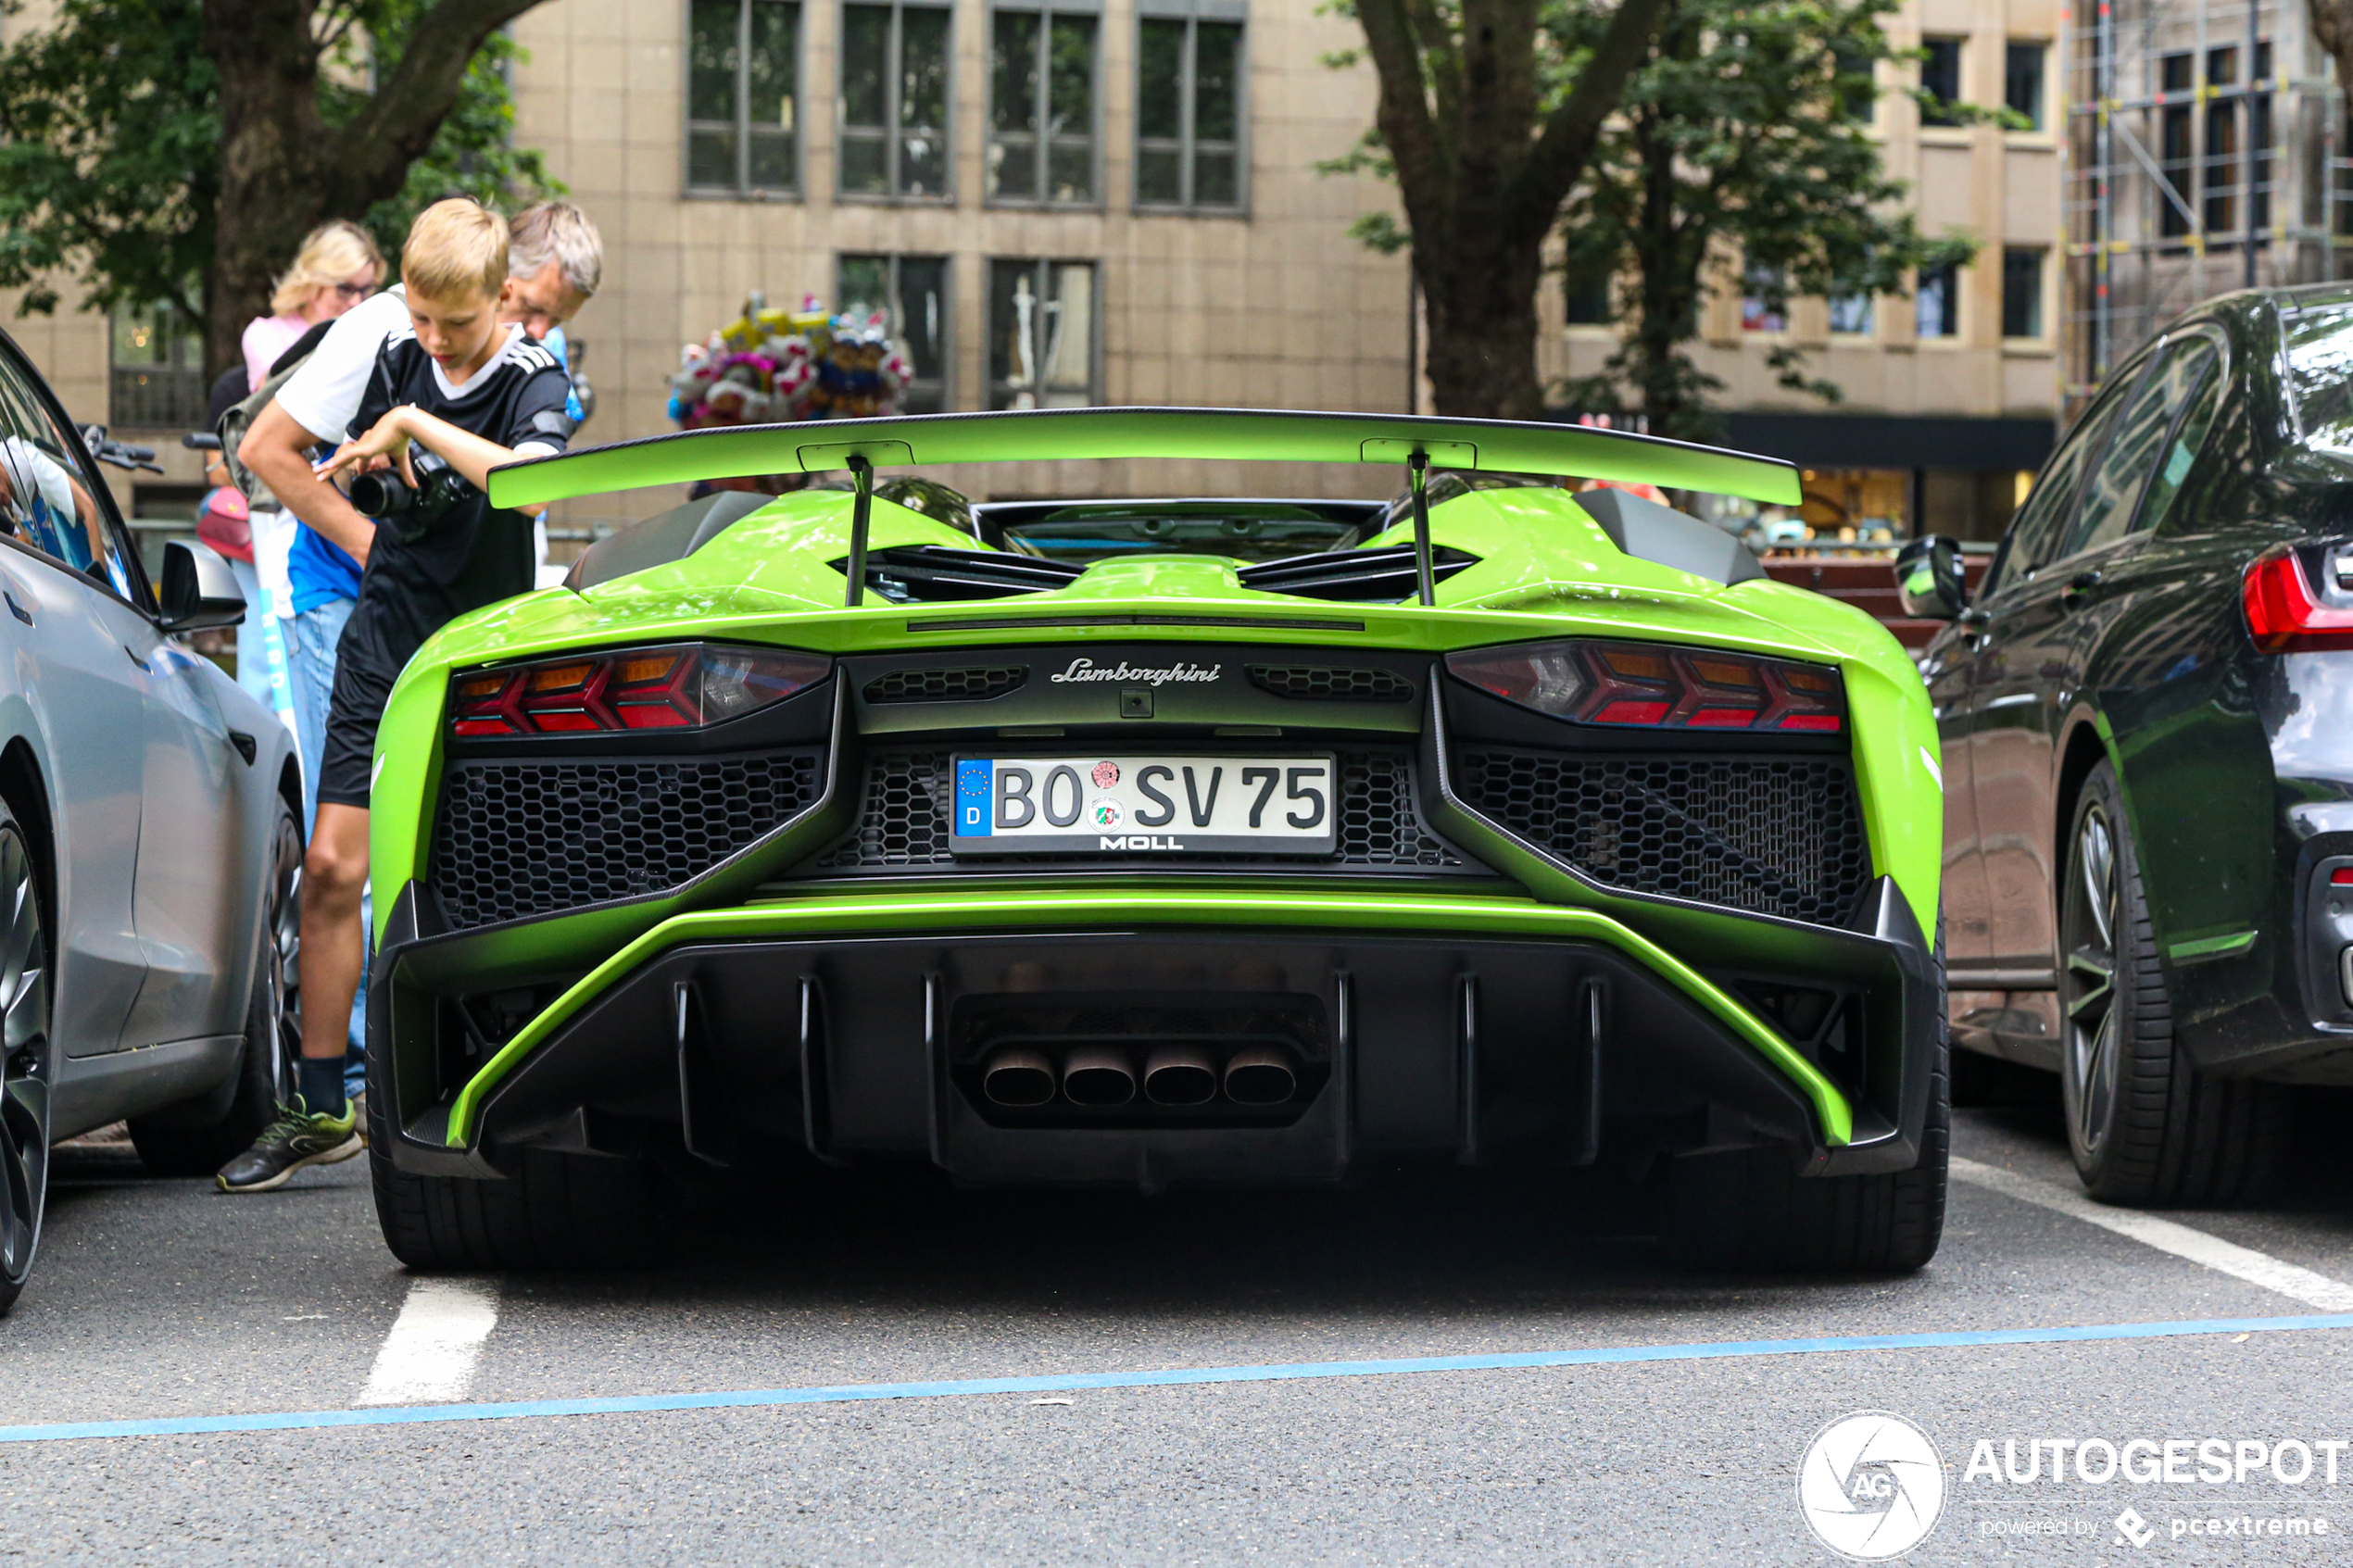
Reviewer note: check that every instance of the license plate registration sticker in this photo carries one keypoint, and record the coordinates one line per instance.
(1151, 804)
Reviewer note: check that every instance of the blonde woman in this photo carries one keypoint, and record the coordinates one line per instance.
(337, 267)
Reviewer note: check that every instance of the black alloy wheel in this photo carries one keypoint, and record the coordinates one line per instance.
(282, 959)
(2144, 1124)
(199, 1136)
(27, 1066)
(2091, 911)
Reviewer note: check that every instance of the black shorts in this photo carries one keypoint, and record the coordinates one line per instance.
(365, 670)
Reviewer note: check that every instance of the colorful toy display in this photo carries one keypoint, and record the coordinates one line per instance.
(772, 366)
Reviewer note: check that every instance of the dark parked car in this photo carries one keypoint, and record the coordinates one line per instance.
(2147, 719)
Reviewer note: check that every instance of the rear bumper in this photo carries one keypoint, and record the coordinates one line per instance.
(1480, 1027)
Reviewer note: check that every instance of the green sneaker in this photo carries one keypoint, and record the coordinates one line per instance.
(296, 1138)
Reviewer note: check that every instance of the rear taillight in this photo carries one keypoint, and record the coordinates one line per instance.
(679, 687)
(1648, 685)
(2284, 615)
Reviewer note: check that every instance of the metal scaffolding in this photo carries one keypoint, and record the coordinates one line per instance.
(2201, 156)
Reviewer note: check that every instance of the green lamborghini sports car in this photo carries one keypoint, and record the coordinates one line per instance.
(1160, 842)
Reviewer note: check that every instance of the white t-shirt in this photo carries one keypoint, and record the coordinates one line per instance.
(324, 394)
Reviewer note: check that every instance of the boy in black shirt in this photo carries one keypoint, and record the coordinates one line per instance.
(473, 395)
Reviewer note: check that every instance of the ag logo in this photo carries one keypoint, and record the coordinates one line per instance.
(1870, 1485)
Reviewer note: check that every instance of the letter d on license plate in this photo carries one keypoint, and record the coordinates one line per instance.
(1156, 805)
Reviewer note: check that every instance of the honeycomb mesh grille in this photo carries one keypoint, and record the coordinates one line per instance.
(946, 686)
(1774, 836)
(517, 839)
(905, 821)
(1322, 682)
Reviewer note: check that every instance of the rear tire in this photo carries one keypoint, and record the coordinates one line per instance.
(1745, 1211)
(553, 1211)
(166, 1144)
(28, 1059)
(2143, 1125)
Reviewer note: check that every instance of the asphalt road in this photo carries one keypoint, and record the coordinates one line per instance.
(163, 1298)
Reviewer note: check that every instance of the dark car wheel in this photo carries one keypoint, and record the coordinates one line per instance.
(1745, 1211)
(199, 1136)
(2144, 1124)
(26, 1063)
(552, 1210)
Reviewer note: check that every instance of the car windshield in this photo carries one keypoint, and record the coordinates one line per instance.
(1241, 530)
(2319, 340)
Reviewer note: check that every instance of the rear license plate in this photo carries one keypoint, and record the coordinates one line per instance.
(1152, 804)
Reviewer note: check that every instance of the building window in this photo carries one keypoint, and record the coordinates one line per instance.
(1856, 85)
(2175, 155)
(2023, 292)
(1941, 80)
(743, 73)
(1937, 301)
(2022, 82)
(1764, 301)
(1585, 295)
(1851, 315)
(1041, 107)
(913, 292)
(894, 100)
(157, 371)
(2221, 142)
(1189, 113)
(1041, 335)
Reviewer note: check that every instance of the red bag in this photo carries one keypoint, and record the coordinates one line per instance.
(226, 525)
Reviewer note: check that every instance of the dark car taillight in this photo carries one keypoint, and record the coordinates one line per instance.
(680, 687)
(2284, 615)
(1649, 685)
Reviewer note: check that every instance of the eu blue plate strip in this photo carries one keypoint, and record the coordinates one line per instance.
(746, 1398)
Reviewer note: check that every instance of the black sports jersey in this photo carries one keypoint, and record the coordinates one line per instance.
(476, 554)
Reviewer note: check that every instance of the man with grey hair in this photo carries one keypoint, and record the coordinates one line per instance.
(555, 261)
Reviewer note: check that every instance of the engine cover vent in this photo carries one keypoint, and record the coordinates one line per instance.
(971, 684)
(1323, 683)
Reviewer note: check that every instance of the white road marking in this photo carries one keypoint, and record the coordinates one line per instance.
(2166, 1236)
(429, 1356)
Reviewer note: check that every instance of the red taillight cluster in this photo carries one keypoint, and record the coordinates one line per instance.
(680, 687)
(2284, 615)
(1652, 686)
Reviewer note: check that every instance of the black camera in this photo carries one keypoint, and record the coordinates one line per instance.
(411, 510)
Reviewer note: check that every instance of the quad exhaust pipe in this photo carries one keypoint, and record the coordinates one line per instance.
(1179, 1077)
(1098, 1078)
(1018, 1079)
(1101, 1078)
(1260, 1076)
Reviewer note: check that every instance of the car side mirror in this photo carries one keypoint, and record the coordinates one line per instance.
(1931, 579)
(199, 590)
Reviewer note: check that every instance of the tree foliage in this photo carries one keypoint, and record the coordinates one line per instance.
(1742, 152)
(1490, 112)
(174, 151)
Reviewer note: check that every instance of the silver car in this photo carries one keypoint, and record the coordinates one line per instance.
(150, 840)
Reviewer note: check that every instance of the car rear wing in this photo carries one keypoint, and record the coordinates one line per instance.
(1061, 434)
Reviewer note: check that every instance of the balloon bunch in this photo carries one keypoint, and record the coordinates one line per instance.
(772, 366)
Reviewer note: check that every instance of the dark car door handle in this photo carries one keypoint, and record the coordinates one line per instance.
(2078, 585)
(137, 661)
(17, 609)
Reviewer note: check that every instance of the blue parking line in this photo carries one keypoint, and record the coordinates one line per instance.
(749, 1398)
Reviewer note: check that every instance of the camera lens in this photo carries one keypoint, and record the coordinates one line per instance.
(381, 494)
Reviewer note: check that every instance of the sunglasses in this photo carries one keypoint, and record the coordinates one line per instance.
(355, 291)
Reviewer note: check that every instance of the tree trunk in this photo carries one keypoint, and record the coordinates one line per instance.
(1482, 305)
(270, 133)
(284, 171)
(1482, 175)
(2332, 29)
